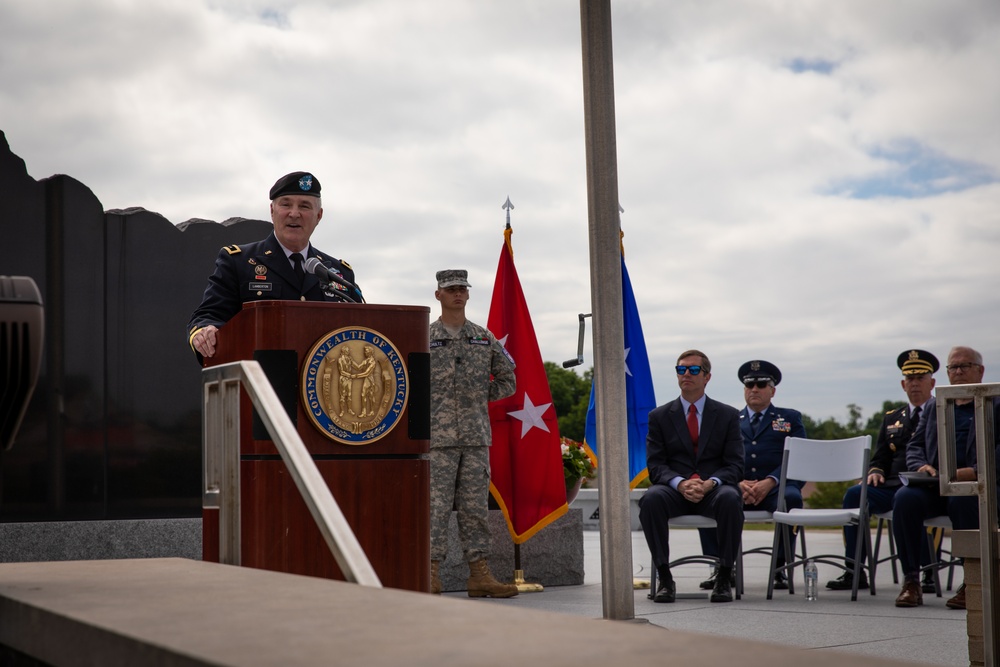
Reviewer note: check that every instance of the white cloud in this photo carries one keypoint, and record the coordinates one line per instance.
(742, 130)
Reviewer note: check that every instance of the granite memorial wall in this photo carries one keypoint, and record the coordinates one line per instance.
(113, 429)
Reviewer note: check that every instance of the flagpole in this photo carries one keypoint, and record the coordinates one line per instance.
(608, 330)
(522, 585)
(529, 482)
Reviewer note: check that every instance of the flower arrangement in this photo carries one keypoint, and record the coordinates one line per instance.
(576, 464)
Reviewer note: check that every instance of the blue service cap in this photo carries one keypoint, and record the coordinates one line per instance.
(759, 370)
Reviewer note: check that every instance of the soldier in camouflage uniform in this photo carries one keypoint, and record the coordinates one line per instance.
(469, 368)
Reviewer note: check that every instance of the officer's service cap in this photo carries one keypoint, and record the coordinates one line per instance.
(759, 370)
(917, 362)
(296, 183)
(452, 277)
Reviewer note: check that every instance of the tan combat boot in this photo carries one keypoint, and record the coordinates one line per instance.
(435, 577)
(481, 583)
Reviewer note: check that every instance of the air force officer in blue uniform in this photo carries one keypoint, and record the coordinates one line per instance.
(272, 268)
(764, 428)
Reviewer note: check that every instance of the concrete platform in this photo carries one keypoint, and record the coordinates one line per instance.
(174, 611)
(871, 627)
(182, 612)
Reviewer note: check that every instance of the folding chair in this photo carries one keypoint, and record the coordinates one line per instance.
(822, 461)
(696, 521)
(885, 520)
(934, 525)
(941, 523)
(756, 516)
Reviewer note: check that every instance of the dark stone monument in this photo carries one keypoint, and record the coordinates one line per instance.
(113, 429)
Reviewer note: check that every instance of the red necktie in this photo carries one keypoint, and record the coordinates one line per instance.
(693, 430)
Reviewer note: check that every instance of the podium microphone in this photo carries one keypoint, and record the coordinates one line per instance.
(313, 265)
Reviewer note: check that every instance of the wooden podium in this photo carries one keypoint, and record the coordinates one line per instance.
(355, 379)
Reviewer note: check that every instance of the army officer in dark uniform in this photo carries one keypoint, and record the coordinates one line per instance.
(272, 268)
(764, 428)
(889, 457)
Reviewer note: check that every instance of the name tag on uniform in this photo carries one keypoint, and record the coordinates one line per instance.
(479, 340)
(260, 286)
(438, 343)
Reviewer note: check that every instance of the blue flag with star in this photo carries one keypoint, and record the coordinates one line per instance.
(639, 396)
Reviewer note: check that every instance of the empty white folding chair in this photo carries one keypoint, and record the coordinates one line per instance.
(823, 461)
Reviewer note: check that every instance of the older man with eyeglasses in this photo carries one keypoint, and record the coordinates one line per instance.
(694, 455)
(913, 504)
(764, 427)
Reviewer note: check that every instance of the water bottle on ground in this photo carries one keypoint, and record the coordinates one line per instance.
(812, 580)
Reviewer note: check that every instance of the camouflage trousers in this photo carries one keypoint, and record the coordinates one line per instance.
(460, 478)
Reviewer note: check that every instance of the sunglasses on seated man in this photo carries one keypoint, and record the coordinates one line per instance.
(760, 384)
(693, 370)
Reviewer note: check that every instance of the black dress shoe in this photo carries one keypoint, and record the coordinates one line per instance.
(709, 583)
(927, 585)
(845, 582)
(666, 591)
(723, 590)
(780, 583)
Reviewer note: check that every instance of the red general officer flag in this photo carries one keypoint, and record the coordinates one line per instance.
(526, 466)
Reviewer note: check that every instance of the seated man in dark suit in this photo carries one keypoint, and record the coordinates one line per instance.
(694, 455)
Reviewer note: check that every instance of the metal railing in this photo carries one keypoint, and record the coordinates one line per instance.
(221, 490)
(985, 486)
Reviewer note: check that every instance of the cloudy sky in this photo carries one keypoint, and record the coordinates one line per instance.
(814, 183)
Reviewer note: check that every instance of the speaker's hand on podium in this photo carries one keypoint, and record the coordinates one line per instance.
(204, 341)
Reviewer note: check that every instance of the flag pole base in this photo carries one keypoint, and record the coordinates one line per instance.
(523, 586)
(640, 584)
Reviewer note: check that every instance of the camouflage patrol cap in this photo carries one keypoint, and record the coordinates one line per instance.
(296, 183)
(917, 362)
(452, 277)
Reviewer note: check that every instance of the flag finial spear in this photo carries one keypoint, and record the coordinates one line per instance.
(508, 232)
(508, 206)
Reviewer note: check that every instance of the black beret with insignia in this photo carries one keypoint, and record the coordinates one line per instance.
(296, 183)
(759, 371)
(917, 362)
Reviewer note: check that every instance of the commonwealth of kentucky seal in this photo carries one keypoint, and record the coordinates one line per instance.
(354, 385)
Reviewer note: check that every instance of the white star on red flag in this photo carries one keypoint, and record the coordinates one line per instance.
(530, 415)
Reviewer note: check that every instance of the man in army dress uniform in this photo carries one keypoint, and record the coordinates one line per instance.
(272, 268)
(764, 427)
(889, 457)
(469, 368)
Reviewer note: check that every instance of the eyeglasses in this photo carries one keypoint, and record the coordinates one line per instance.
(960, 367)
(760, 384)
(693, 370)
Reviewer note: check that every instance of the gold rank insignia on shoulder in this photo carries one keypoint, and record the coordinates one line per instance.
(233, 249)
(344, 262)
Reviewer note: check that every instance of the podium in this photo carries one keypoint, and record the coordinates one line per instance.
(355, 380)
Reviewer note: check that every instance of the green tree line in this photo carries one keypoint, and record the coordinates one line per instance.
(571, 397)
